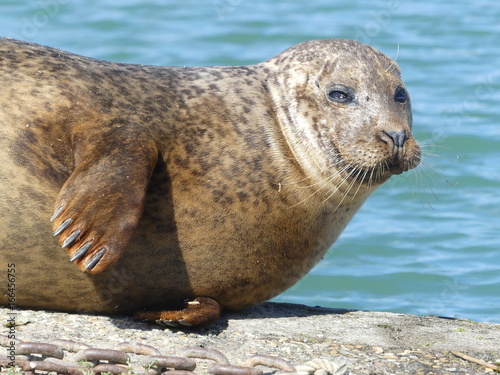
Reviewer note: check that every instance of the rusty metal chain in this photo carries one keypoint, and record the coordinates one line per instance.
(50, 357)
(33, 357)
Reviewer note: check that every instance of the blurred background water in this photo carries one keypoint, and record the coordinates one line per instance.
(427, 241)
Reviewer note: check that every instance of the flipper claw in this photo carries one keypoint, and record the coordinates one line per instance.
(61, 228)
(68, 241)
(95, 259)
(57, 213)
(82, 251)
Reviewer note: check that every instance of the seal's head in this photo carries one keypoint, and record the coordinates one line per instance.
(345, 112)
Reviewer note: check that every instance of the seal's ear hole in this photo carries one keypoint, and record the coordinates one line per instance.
(340, 94)
(400, 96)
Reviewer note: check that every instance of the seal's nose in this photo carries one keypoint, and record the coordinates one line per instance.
(398, 137)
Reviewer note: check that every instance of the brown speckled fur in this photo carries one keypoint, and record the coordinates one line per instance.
(199, 182)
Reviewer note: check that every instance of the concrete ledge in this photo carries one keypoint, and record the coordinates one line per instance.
(387, 330)
(372, 342)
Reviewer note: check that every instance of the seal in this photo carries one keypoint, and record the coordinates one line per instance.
(185, 190)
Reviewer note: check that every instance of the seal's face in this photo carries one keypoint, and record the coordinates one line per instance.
(373, 139)
(348, 118)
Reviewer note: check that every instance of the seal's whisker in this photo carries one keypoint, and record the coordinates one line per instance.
(423, 184)
(394, 60)
(373, 170)
(434, 145)
(324, 182)
(359, 185)
(431, 165)
(342, 181)
(333, 177)
(427, 153)
(360, 176)
(354, 177)
(427, 173)
(337, 187)
(426, 177)
(433, 172)
(423, 144)
(299, 181)
(428, 150)
(318, 182)
(351, 184)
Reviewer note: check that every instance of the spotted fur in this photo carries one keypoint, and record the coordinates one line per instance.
(167, 183)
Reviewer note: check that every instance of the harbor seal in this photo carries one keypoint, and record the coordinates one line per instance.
(212, 187)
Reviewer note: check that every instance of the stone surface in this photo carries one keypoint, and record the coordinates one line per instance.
(372, 342)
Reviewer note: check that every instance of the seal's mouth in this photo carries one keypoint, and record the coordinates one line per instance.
(381, 172)
(396, 170)
(374, 166)
(395, 167)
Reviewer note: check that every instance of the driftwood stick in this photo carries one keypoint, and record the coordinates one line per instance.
(475, 360)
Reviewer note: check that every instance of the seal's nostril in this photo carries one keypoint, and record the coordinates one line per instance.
(399, 138)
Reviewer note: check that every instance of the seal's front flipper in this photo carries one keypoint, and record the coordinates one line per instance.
(201, 312)
(99, 206)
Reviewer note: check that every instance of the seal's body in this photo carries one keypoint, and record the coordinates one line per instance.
(169, 183)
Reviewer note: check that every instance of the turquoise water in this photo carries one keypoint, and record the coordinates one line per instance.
(427, 241)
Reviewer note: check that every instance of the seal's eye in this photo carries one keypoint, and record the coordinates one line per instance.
(340, 95)
(401, 96)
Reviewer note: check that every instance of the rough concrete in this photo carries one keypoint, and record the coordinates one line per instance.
(387, 330)
(372, 342)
